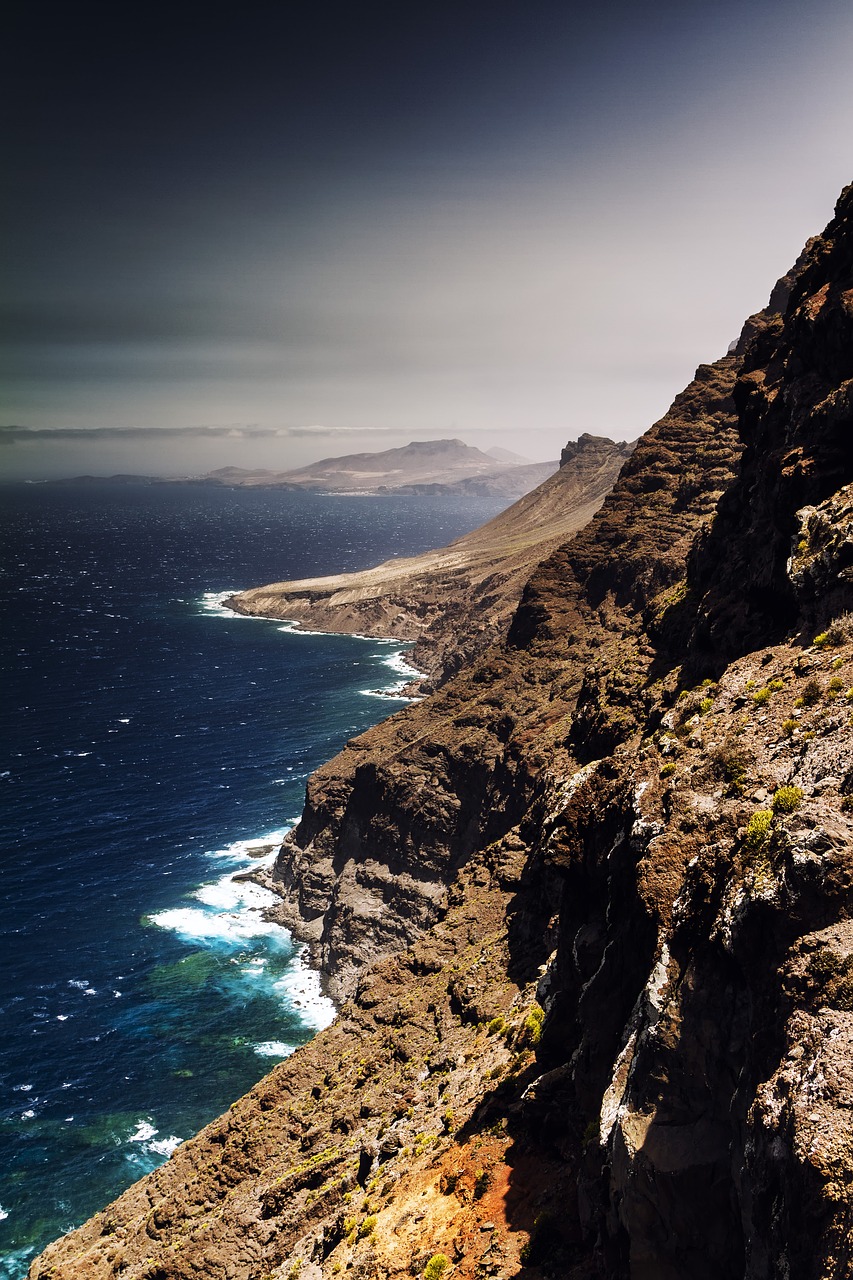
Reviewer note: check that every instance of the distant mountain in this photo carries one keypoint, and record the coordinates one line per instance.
(456, 600)
(424, 466)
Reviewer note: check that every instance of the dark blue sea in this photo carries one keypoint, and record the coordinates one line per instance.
(153, 744)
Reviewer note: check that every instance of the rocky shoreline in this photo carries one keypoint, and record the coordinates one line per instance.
(585, 909)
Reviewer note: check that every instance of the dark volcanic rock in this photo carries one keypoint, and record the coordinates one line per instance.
(591, 911)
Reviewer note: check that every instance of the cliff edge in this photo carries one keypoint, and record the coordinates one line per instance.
(457, 600)
(588, 907)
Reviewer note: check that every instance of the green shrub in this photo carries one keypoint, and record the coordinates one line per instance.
(531, 1028)
(482, 1182)
(705, 706)
(668, 769)
(786, 799)
(789, 727)
(758, 828)
(836, 685)
(496, 1026)
(775, 685)
(762, 697)
(436, 1267)
(368, 1226)
(821, 641)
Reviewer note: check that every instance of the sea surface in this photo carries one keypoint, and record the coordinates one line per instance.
(153, 744)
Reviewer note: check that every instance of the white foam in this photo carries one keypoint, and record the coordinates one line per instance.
(300, 985)
(165, 1146)
(27, 1115)
(4, 1213)
(240, 850)
(144, 1130)
(273, 1049)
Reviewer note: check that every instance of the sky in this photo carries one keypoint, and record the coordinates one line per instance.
(261, 234)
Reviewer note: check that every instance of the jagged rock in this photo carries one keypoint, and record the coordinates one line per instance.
(639, 807)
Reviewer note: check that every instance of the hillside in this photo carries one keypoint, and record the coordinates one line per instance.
(456, 600)
(424, 466)
(588, 906)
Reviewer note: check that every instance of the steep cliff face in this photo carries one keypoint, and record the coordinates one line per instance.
(455, 601)
(634, 816)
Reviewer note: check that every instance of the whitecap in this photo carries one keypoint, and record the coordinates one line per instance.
(143, 1131)
(165, 1146)
(4, 1213)
(273, 1049)
(27, 1115)
(300, 985)
(22, 1088)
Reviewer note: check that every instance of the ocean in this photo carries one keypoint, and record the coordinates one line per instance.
(153, 744)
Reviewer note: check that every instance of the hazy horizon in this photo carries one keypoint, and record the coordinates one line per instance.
(281, 235)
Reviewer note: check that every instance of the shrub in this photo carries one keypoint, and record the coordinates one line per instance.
(731, 761)
(836, 685)
(790, 726)
(821, 641)
(482, 1182)
(668, 769)
(762, 697)
(786, 799)
(758, 828)
(775, 685)
(840, 630)
(436, 1267)
(812, 692)
(531, 1029)
(847, 803)
(496, 1026)
(368, 1226)
(705, 706)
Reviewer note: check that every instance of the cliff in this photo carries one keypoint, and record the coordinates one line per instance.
(457, 600)
(589, 905)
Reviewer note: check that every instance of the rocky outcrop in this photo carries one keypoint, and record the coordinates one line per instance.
(589, 904)
(455, 601)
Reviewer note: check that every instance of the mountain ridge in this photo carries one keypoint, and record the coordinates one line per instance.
(455, 600)
(588, 906)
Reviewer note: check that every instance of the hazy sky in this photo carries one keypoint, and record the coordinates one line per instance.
(273, 232)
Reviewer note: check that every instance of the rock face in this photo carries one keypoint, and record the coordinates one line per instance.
(590, 903)
(455, 601)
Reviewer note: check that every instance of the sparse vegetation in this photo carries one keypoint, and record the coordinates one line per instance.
(762, 696)
(668, 769)
(482, 1182)
(789, 727)
(496, 1026)
(812, 692)
(758, 828)
(436, 1267)
(787, 799)
(531, 1029)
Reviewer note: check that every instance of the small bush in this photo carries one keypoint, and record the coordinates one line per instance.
(496, 1026)
(668, 769)
(847, 803)
(705, 706)
(368, 1226)
(775, 685)
(840, 630)
(836, 686)
(436, 1267)
(482, 1182)
(812, 692)
(821, 641)
(762, 697)
(758, 828)
(786, 799)
(531, 1029)
(789, 727)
